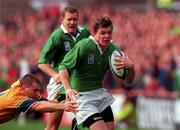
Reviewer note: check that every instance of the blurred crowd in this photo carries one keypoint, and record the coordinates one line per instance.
(145, 36)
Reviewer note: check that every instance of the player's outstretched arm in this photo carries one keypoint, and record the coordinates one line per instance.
(46, 106)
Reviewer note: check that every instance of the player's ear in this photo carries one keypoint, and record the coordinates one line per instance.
(23, 86)
(61, 18)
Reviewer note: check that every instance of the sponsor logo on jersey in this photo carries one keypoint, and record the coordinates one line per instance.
(90, 58)
(67, 46)
(97, 118)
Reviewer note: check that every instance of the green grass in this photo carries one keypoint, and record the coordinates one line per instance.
(29, 125)
(34, 125)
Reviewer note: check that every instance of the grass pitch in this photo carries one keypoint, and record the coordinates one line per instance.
(35, 125)
(28, 125)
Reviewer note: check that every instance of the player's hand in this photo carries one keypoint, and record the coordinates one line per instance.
(57, 78)
(123, 62)
(71, 94)
(70, 106)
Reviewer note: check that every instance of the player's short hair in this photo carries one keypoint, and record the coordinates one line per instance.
(70, 9)
(102, 21)
(29, 79)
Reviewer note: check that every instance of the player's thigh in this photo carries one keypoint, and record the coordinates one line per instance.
(98, 125)
(110, 125)
(108, 118)
(92, 119)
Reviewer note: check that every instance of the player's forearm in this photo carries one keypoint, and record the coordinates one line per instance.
(130, 76)
(46, 68)
(45, 106)
(64, 75)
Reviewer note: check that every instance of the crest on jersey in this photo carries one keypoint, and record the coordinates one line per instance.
(90, 58)
(67, 46)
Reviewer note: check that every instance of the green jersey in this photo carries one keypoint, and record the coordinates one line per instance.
(88, 64)
(58, 44)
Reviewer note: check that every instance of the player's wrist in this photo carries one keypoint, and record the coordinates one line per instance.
(67, 89)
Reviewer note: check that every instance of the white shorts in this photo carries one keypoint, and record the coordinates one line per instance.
(92, 102)
(53, 88)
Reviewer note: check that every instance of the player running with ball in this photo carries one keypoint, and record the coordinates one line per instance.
(87, 64)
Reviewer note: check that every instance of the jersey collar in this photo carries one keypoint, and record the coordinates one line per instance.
(79, 28)
(65, 31)
(98, 46)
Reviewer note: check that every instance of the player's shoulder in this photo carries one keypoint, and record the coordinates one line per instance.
(57, 32)
(83, 28)
(84, 43)
(113, 45)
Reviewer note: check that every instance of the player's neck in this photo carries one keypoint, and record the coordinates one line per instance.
(74, 33)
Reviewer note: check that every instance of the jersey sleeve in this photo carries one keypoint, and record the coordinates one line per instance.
(49, 49)
(25, 105)
(41, 98)
(73, 57)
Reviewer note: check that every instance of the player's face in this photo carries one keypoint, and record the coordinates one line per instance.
(33, 91)
(103, 36)
(70, 22)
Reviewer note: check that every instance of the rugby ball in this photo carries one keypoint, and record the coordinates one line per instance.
(120, 73)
